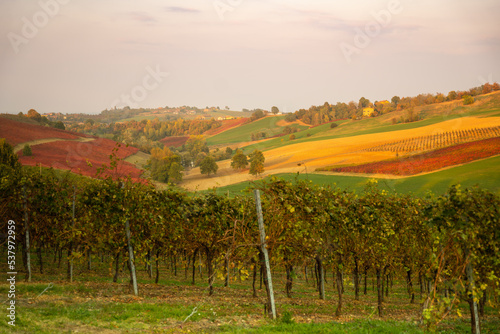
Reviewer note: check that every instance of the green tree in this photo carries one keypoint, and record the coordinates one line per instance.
(290, 117)
(27, 151)
(257, 160)
(59, 125)
(196, 144)
(175, 172)
(275, 110)
(363, 103)
(7, 155)
(239, 160)
(395, 101)
(208, 165)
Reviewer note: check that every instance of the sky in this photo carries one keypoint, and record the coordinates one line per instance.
(84, 56)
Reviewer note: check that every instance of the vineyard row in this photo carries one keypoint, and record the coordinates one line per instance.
(431, 142)
(434, 239)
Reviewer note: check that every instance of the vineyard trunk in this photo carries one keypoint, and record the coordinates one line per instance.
(474, 314)
(210, 271)
(117, 267)
(380, 291)
(356, 278)
(321, 277)
(254, 277)
(157, 264)
(40, 259)
(366, 279)
(194, 266)
(289, 280)
(338, 311)
(27, 235)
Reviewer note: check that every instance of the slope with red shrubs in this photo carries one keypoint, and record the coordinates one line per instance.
(430, 161)
(174, 141)
(83, 157)
(18, 132)
(226, 125)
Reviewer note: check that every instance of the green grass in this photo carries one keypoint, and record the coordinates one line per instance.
(243, 133)
(484, 173)
(359, 326)
(93, 304)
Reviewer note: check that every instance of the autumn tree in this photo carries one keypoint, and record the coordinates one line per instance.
(33, 114)
(239, 160)
(452, 95)
(257, 160)
(275, 110)
(257, 114)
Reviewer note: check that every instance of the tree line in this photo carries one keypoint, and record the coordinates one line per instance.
(327, 112)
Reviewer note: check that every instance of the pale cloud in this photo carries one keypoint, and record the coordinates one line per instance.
(142, 17)
(178, 9)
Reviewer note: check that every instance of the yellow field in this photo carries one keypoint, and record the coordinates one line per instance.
(306, 157)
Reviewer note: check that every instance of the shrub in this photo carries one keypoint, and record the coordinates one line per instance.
(468, 100)
(27, 151)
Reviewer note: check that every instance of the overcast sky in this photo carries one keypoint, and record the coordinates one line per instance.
(88, 55)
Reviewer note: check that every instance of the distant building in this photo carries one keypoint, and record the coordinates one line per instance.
(367, 112)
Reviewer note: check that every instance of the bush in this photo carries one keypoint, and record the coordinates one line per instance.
(468, 100)
(290, 117)
(292, 137)
(333, 125)
(27, 151)
(59, 125)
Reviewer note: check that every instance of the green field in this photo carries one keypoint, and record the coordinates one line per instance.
(243, 133)
(484, 173)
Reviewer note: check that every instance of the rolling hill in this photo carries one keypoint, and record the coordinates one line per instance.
(66, 150)
(352, 143)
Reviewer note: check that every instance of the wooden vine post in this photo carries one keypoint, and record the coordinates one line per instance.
(131, 257)
(269, 283)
